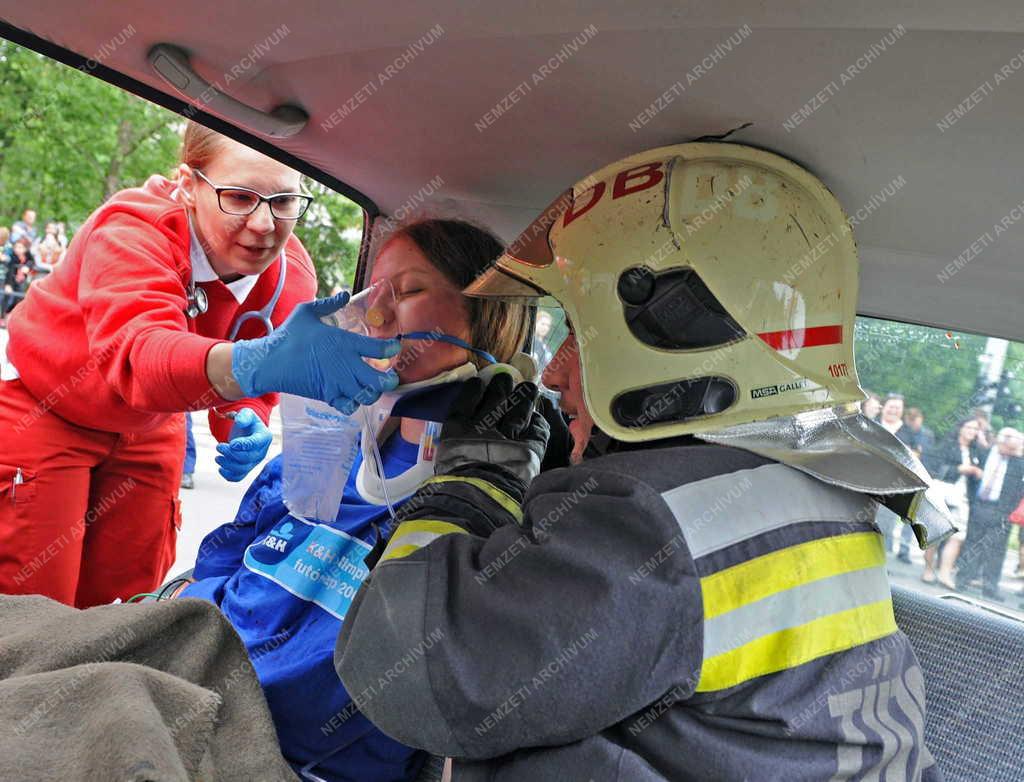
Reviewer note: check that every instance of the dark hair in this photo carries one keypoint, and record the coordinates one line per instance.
(462, 251)
(962, 424)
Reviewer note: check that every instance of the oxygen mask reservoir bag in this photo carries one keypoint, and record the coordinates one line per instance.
(321, 444)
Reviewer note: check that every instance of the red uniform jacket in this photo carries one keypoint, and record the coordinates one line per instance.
(103, 341)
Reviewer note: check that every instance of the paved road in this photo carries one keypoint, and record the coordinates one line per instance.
(910, 576)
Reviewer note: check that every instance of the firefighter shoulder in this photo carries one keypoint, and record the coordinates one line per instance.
(708, 598)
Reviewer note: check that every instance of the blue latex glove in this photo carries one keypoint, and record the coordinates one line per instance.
(306, 357)
(246, 447)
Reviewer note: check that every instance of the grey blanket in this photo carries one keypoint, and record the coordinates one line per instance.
(130, 693)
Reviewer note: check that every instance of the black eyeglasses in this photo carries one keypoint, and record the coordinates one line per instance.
(242, 201)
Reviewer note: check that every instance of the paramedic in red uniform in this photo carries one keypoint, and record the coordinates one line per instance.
(165, 303)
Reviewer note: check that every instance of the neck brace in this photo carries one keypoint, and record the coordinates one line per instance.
(380, 426)
(841, 447)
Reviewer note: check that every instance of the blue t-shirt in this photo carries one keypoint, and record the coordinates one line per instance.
(285, 585)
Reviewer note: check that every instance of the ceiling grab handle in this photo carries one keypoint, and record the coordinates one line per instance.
(172, 64)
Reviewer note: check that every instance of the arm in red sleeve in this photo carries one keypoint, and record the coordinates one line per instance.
(133, 302)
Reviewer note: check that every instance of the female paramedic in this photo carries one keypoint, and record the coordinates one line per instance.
(134, 328)
(285, 583)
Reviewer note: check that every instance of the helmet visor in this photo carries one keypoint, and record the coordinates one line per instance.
(533, 246)
(497, 283)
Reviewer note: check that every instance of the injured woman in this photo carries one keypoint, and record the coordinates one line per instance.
(285, 581)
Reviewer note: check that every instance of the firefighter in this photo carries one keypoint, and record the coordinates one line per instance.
(703, 594)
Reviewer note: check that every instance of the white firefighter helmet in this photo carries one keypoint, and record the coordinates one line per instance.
(709, 285)
(713, 290)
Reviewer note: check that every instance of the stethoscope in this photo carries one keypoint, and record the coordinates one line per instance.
(196, 303)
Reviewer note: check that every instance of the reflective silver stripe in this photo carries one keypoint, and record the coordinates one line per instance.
(794, 607)
(717, 512)
(873, 693)
(871, 706)
(897, 766)
(849, 755)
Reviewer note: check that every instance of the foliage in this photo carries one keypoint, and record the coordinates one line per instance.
(321, 231)
(934, 370)
(68, 141)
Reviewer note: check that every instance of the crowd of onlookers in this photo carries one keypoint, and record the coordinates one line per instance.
(25, 254)
(979, 473)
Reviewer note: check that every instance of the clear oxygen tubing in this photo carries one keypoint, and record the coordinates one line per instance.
(313, 430)
(378, 461)
(435, 336)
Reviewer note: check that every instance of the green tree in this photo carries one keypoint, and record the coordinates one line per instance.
(323, 231)
(934, 370)
(71, 141)
(1010, 403)
(68, 141)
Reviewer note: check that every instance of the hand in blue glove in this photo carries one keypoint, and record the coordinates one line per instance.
(306, 357)
(246, 447)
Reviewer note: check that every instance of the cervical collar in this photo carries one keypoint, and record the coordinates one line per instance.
(368, 480)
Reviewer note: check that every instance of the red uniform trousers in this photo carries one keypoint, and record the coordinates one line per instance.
(97, 513)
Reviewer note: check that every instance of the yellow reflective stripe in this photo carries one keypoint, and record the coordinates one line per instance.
(492, 491)
(414, 535)
(757, 578)
(797, 645)
(398, 552)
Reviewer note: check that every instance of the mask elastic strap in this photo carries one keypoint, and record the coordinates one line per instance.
(435, 336)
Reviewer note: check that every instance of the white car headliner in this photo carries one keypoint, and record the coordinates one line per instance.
(422, 124)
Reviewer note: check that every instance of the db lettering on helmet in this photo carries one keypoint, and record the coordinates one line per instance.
(627, 182)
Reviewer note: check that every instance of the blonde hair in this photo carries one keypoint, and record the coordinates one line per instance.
(461, 251)
(200, 145)
(5, 234)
